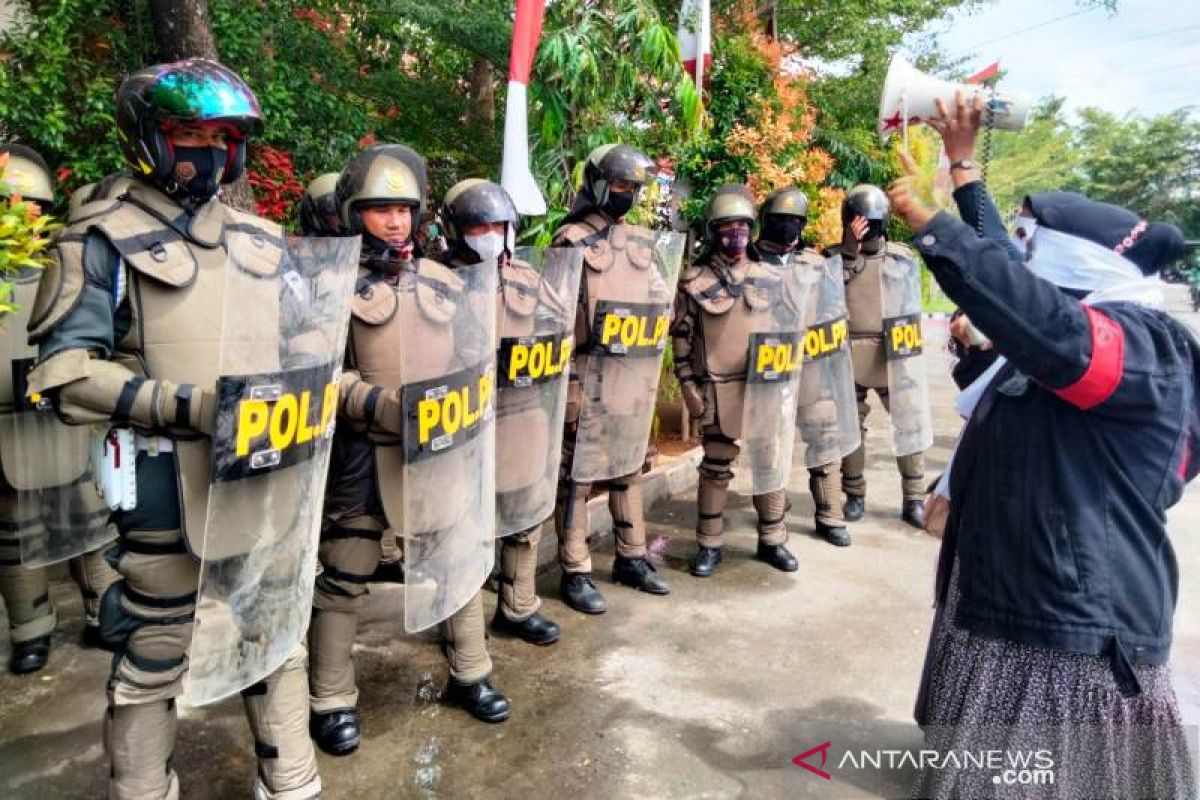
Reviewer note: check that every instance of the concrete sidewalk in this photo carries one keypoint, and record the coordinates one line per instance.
(709, 692)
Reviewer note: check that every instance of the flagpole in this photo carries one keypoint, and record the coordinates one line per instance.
(702, 46)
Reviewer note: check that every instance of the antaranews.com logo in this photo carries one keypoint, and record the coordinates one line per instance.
(1007, 767)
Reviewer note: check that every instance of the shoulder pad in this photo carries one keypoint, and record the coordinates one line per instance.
(706, 289)
(374, 301)
(255, 245)
(573, 233)
(146, 244)
(810, 256)
(520, 285)
(900, 250)
(92, 209)
(439, 291)
(61, 286)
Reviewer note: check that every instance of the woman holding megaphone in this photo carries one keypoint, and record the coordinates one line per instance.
(1057, 582)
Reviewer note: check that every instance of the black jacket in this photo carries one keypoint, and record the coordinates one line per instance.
(1065, 471)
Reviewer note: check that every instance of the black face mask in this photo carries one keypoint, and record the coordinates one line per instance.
(782, 230)
(875, 229)
(198, 172)
(618, 203)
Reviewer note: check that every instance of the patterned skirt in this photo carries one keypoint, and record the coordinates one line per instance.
(1004, 719)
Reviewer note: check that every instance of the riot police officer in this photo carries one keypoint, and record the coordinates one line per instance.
(480, 228)
(124, 321)
(866, 254)
(613, 178)
(782, 218)
(25, 588)
(318, 210)
(724, 298)
(398, 313)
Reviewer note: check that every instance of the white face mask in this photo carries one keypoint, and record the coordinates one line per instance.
(488, 246)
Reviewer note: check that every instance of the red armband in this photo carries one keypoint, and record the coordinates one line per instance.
(1107, 364)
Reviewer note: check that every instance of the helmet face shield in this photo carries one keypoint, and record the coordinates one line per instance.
(27, 174)
(731, 203)
(611, 163)
(868, 202)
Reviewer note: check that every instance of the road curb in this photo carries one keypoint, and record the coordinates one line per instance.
(675, 476)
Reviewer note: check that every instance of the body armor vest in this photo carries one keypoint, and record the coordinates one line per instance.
(864, 302)
(401, 333)
(729, 311)
(198, 289)
(618, 268)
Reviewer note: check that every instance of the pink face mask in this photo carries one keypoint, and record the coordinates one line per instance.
(734, 242)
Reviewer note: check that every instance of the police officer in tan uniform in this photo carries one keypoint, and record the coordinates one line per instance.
(612, 180)
(127, 321)
(864, 249)
(722, 298)
(380, 195)
(782, 218)
(480, 228)
(26, 590)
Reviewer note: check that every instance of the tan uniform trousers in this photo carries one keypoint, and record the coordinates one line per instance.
(349, 553)
(826, 494)
(518, 574)
(26, 590)
(571, 516)
(716, 471)
(149, 614)
(912, 467)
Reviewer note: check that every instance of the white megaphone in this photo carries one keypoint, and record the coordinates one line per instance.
(909, 95)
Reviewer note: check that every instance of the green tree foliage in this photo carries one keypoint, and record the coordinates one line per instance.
(1148, 164)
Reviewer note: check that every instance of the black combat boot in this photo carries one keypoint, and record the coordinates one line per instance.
(704, 563)
(836, 535)
(337, 733)
(854, 508)
(579, 591)
(914, 513)
(535, 629)
(777, 556)
(29, 656)
(481, 700)
(640, 574)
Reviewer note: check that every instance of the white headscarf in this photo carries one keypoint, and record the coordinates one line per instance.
(1068, 262)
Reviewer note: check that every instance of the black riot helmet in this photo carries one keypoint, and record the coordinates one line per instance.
(385, 174)
(783, 216)
(477, 202)
(872, 204)
(607, 164)
(319, 207)
(152, 100)
(27, 175)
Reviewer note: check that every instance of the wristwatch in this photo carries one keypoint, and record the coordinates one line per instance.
(966, 163)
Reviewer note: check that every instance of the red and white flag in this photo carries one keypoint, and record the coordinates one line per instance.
(515, 174)
(695, 39)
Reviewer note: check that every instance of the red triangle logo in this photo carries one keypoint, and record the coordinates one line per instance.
(801, 760)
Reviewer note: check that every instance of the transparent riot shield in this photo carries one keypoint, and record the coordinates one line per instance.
(628, 335)
(828, 413)
(449, 475)
(53, 509)
(773, 374)
(282, 343)
(912, 419)
(536, 330)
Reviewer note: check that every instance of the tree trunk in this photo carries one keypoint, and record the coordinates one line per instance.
(483, 94)
(182, 30)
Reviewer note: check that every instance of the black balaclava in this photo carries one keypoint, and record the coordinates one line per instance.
(618, 204)
(783, 230)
